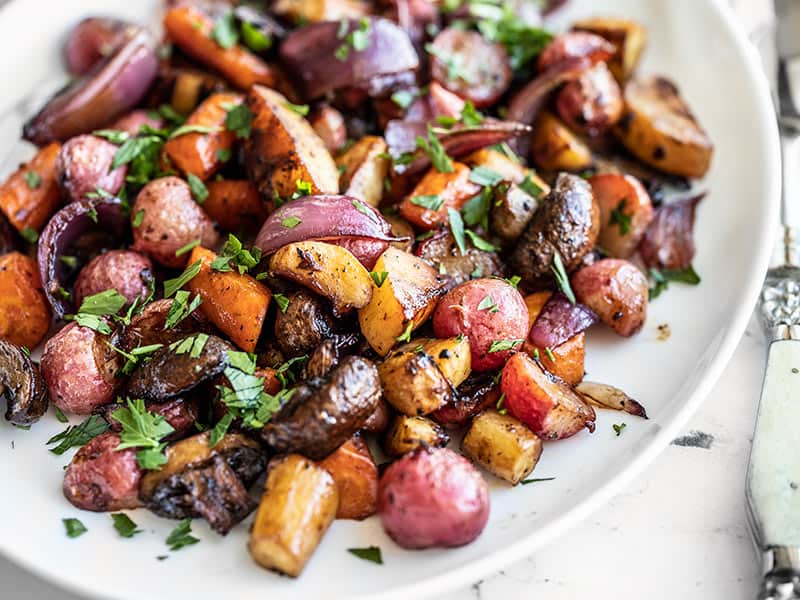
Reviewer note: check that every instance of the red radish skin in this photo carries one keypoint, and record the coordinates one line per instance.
(128, 272)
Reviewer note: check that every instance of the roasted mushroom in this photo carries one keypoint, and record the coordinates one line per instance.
(180, 367)
(149, 327)
(324, 413)
(442, 253)
(22, 385)
(303, 325)
(201, 481)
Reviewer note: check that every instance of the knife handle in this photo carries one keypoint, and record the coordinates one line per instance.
(773, 477)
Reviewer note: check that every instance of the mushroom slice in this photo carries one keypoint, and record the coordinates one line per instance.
(22, 385)
(203, 481)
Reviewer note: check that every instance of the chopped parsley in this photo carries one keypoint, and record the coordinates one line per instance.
(476, 209)
(530, 187)
(114, 136)
(489, 304)
(78, 435)
(239, 120)
(435, 151)
(29, 235)
(562, 279)
(371, 553)
(254, 38)
(198, 188)
(406, 335)
(662, 278)
(431, 202)
(234, 254)
(619, 427)
(124, 525)
(290, 222)
(378, 277)
(33, 179)
(224, 32)
(618, 217)
(224, 154)
(187, 247)
(403, 98)
(357, 39)
(470, 116)
(300, 109)
(282, 302)
(503, 345)
(181, 308)
(138, 218)
(144, 430)
(173, 285)
(180, 537)
(522, 42)
(60, 416)
(74, 528)
(485, 176)
(479, 242)
(457, 228)
(186, 129)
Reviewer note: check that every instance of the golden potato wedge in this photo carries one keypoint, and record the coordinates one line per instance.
(329, 270)
(452, 355)
(502, 445)
(365, 167)
(413, 383)
(409, 433)
(402, 303)
(314, 11)
(629, 39)
(660, 130)
(510, 169)
(356, 476)
(555, 148)
(299, 503)
(283, 149)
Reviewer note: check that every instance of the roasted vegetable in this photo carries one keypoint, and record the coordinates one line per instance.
(658, 127)
(356, 476)
(403, 302)
(326, 269)
(84, 166)
(628, 37)
(205, 482)
(30, 195)
(554, 147)
(479, 392)
(127, 272)
(409, 433)
(442, 253)
(24, 314)
(426, 206)
(592, 103)
(283, 149)
(413, 383)
(303, 11)
(625, 212)
(149, 327)
(21, 385)
(303, 324)
(236, 303)
(299, 503)
(235, 204)
(364, 169)
(330, 126)
(502, 445)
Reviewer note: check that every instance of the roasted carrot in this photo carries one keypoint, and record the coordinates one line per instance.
(236, 304)
(190, 29)
(565, 360)
(356, 477)
(426, 206)
(199, 153)
(235, 204)
(272, 384)
(30, 195)
(24, 313)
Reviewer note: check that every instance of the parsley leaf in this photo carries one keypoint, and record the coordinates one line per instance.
(457, 228)
(619, 427)
(530, 187)
(431, 202)
(357, 39)
(142, 429)
(362, 208)
(406, 335)
(224, 32)
(470, 116)
(138, 218)
(78, 435)
(74, 528)
(433, 147)
(255, 38)
(282, 302)
(173, 285)
(60, 416)
(403, 98)
(234, 253)
(378, 277)
(186, 129)
(114, 136)
(187, 247)
(33, 179)
(239, 120)
(562, 279)
(290, 222)
(522, 41)
(124, 525)
(180, 537)
(479, 242)
(536, 480)
(29, 235)
(179, 309)
(476, 209)
(300, 109)
(618, 217)
(489, 304)
(485, 176)
(503, 345)
(662, 278)
(372, 554)
(198, 188)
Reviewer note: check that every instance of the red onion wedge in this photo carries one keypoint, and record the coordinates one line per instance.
(460, 140)
(92, 40)
(559, 320)
(64, 229)
(324, 58)
(342, 220)
(602, 395)
(111, 88)
(668, 242)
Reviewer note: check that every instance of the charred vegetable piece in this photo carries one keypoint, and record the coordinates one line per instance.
(626, 211)
(174, 370)
(659, 128)
(304, 325)
(442, 253)
(607, 396)
(356, 476)
(593, 102)
(668, 242)
(149, 327)
(413, 383)
(322, 414)
(502, 445)
(628, 37)
(475, 395)
(409, 433)
(235, 204)
(24, 314)
(567, 223)
(554, 147)
(206, 482)
(575, 44)
(330, 126)
(427, 204)
(30, 195)
(300, 502)
(21, 385)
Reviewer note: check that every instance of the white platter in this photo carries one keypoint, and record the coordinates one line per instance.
(693, 41)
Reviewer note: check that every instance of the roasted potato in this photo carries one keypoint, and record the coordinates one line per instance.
(433, 497)
(236, 303)
(330, 126)
(32, 204)
(403, 302)
(592, 103)
(617, 291)
(625, 212)
(426, 206)
(84, 166)
(283, 149)
(575, 44)
(452, 355)
(502, 445)
(543, 402)
(24, 313)
(329, 270)
(409, 433)
(628, 37)
(554, 147)
(658, 127)
(314, 11)
(299, 503)
(356, 476)
(365, 167)
(413, 383)
(127, 272)
(490, 313)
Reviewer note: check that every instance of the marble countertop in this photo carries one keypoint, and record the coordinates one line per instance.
(678, 531)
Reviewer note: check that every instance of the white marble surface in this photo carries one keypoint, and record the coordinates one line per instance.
(678, 531)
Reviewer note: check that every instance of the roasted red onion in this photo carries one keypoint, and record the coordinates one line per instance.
(64, 229)
(366, 250)
(576, 44)
(460, 140)
(311, 53)
(559, 320)
(324, 217)
(92, 40)
(668, 242)
(110, 89)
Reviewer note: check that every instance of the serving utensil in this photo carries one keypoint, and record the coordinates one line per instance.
(773, 478)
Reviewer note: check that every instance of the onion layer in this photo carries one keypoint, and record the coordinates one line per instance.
(110, 89)
(64, 228)
(668, 242)
(559, 320)
(92, 40)
(324, 60)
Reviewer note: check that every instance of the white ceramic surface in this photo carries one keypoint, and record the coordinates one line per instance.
(692, 40)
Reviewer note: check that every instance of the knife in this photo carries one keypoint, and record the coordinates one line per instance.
(773, 477)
